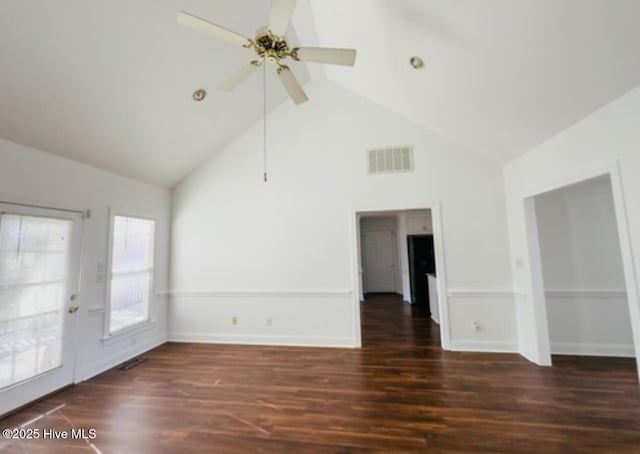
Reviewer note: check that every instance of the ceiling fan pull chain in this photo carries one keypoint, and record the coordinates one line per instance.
(264, 117)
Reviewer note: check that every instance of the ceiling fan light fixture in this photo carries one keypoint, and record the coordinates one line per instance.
(416, 62)
(270, 47)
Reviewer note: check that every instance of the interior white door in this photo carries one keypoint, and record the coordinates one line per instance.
(39, 277)
(379, 262)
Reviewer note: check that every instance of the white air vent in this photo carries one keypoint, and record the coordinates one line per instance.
(390, 160)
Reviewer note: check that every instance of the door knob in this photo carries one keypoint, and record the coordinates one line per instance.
(73, 309)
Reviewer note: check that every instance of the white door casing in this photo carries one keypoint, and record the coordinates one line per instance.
(536, 345)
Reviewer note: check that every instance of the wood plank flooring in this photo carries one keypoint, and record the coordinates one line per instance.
(399, 393)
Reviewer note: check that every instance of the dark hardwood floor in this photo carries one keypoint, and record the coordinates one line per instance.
(399, 393)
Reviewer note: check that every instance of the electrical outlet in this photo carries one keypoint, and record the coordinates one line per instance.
(269, 321)
(477, 326)
(234, 320)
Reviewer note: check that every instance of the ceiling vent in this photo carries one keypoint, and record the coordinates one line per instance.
(390, 160)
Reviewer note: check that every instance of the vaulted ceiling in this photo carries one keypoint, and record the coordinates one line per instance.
(501, 76)
(109, 83)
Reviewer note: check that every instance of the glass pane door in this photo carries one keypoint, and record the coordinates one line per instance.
(34, 256)
(39, 270)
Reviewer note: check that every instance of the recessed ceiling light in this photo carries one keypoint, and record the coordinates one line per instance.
(199, 94)
(416, 62)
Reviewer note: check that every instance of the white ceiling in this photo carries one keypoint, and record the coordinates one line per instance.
(109, 83)
(501, 76)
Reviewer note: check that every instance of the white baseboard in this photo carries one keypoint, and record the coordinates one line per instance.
(104, 365)
(247, 339)
(580, 349)
(483, 346)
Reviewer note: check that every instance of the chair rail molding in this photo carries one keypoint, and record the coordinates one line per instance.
(259, 293)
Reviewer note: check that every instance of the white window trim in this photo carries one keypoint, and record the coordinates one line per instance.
(143, 326)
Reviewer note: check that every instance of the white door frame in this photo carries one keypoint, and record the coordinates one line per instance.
(26, 391)
(438, 240)
(538, 301)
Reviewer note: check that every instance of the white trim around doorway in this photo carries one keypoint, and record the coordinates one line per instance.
(538, 301)
(443, 304)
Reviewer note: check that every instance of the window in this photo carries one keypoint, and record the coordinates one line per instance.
(131, 272)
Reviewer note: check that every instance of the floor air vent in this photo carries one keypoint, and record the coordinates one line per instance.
(390, 160)
(132, 363)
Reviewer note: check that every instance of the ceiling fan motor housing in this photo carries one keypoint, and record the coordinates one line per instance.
(269, 46)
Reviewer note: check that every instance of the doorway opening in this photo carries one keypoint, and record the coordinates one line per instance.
(582, 271)
(399, 256)
(422, 272)
(582, 276)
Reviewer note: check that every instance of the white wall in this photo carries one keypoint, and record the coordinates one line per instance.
(34, 177)
(236, 238)
(585, 292)
(609, 138)
(418, 222)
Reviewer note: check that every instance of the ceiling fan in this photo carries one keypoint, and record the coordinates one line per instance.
(271, 46)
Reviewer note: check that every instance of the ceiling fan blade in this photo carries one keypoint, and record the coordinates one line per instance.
(280, 16)
(204, 26)
(292, 85)
(239, 76)
(346, 57)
